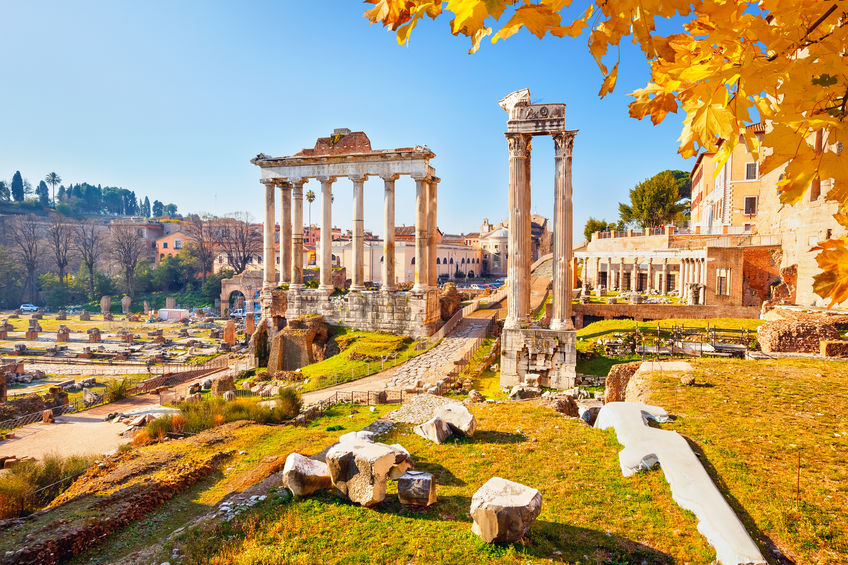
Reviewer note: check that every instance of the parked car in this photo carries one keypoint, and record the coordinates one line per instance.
(29, 308)
(238, 313)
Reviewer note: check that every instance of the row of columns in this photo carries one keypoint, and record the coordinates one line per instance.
(519, 244)
(291, 233)
(691, 270)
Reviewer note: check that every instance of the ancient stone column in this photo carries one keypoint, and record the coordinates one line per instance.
(432, 228)
(326, 233)
(596, 279)
(421, 244)
(561, 300)
(285, 232)
(697, 278)
(270, 258)
(518, 252)
(389, 238)
(297, 236)
(357, 282)
(635, 274)
(620, 278)
(650, 276)
(609, 273)
(664, 284)
(681, 275)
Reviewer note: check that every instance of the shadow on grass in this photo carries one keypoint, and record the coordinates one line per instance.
(574, 542)
(489, 436)
(441, 473)
(765, 543)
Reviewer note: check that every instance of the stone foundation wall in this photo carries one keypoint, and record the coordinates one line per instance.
(834, 348)
(643, 312)
(404, 313)
(794, 337)
(760, 270)
(550, 354)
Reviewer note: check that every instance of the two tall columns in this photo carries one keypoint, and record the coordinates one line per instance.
(425, 233)
(519, 244)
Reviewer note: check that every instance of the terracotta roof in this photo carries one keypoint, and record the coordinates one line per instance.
(759, 127)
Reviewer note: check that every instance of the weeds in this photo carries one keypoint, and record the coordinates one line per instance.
(117, 389)
(31, 485)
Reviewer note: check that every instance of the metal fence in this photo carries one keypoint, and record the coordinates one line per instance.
(34, 417)
(367, 398)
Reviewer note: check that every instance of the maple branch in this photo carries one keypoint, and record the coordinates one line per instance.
(815, 24)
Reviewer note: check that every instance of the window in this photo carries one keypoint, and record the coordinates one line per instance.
(178, 244)
(438, 261)
(750, 205)
(723, 282)
(164, 245)
(750, 171)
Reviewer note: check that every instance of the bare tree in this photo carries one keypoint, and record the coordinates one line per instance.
(202, 231)
(26, 234)
(127, 247)
(89, 245)
(239, 240)
(60, 235)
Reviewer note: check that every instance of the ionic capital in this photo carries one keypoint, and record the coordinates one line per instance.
(390, 178)
(519, 144)
(358, 178)
(326, 180)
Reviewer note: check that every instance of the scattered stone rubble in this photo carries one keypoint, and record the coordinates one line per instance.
(504, 510)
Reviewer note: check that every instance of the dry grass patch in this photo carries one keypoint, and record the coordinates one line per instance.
(751, 420)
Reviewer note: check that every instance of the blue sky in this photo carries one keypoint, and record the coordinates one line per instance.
(172, 99)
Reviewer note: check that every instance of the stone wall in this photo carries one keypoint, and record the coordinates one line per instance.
(794, 337)
(552, 355)
(760, 270)
(643, 312)
(834, 348)
(616, 382)
(302, 342)
(404, 313)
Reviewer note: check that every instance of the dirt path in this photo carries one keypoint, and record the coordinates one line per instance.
(79, 433)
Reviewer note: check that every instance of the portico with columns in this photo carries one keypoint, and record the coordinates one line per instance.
(534, 354)
(348, 155)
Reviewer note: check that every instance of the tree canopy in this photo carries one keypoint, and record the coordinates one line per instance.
(726, 65)
(593, 225)
(654, 202)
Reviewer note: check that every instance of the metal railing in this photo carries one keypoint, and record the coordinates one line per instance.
(33, 417)
(368, 398)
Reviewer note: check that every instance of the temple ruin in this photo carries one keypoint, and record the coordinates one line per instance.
(349, 154)
(546, 356)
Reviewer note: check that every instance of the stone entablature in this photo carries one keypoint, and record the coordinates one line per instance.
(550, 354)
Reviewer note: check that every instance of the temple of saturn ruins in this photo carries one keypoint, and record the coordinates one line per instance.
(535, 355)
(349, 154)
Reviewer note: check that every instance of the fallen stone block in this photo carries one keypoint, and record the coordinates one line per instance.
(229, 395)
(361, 435)
(403, 461)
(458, 417)
(359, 470)
(522, 392)
(435, 430)
(416, 488)
(303, 476)
(504, 510)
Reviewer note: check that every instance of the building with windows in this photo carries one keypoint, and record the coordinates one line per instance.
(169, 245)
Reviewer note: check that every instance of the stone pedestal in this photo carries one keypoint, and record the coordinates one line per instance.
(85, 316)
(550, 354)
(63, 334)
(94, 335)
(170, 302)
(105, 304)
(108, 317)
(62, 315)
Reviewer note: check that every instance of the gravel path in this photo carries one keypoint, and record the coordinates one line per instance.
(419, 409)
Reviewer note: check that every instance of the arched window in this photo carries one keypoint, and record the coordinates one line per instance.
(413, 260)
(445, 261)
(451, 261)
(463, 261)
(438, 262)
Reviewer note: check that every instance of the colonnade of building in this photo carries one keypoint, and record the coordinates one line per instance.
(687, 271)
(291, 233)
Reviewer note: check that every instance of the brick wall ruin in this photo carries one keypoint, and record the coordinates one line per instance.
(794, 337)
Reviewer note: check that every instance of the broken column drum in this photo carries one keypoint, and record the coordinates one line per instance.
(349, 154)
(550, 353)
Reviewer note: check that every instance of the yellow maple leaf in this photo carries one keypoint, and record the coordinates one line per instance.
(609, 82)
(832, 282)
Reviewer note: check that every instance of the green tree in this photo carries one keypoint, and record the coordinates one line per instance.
(310, 198)
(43, 194)
(145, 208)
(654, 202)
(17, 187)
(170, 210)
(5, 193)
(53, 179)
(593, 225)
(158, 209)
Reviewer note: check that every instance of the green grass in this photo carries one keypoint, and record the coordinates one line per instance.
(603, 328)
(750, 421)
(590, 513)
(360, 355)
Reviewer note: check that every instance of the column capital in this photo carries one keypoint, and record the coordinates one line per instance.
(358, 178)
(435, 180)
(326, 179)
(284, 185)
(519, 144)
(563, 142)
(418, 177)
(390, 178)
(270, 182)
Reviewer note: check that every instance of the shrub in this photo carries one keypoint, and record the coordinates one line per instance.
(22, 488)
(116, 390)
(159, 428)
(178, 422)
(289, 402)
(142, 437)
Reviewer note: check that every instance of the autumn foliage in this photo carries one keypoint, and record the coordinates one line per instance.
(733, 63)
